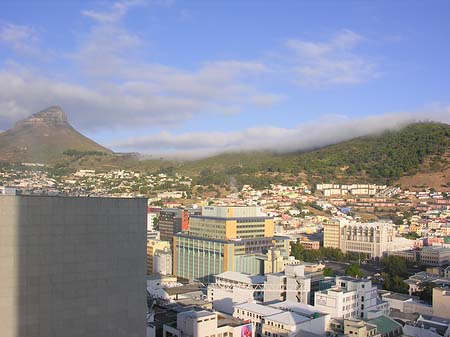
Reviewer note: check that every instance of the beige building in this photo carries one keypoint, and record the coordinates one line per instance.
(331, 234)
(373, 239)
(359, 328)
(152, 247)
(435, 256)
(275, 262)
(441, 302)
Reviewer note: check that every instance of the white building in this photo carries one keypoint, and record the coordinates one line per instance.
(283, 319)
(231, 288)
(290, 285)
(162, 261)
(351, 298)
(207, 323)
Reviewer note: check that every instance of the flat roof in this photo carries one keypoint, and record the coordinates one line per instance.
(352, 279)
(189, 288)
(259, 309)
(287, 317)
(299, 308)
(197, 314)
(242, 277)
(399, 297)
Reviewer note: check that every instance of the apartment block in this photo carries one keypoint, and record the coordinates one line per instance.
(72, 266)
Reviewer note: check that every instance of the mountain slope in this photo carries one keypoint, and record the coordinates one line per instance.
(44, 137)
(383, 158)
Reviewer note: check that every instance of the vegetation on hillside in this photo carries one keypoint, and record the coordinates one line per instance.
(382, 158)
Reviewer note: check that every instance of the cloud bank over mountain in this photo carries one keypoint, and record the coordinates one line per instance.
(315, 134)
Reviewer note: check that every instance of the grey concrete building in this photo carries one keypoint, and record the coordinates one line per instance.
(72, 267)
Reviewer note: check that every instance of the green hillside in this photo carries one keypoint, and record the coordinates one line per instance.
(383, 158)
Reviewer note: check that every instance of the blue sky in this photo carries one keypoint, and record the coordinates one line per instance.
(200, 77)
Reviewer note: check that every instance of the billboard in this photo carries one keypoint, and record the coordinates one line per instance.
(247, 330)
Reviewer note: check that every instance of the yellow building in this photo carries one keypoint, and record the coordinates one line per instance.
(225, 239)
(152, 247)
(331, 234)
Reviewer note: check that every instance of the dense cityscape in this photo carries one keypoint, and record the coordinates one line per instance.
(224, 168)
(329, 259)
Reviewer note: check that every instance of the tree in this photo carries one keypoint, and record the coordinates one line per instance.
(395, 284)
(328, 272)
(156, 223)
(354, 270)
(426, 291)
(394, 266)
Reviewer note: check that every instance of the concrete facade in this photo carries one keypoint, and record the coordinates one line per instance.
(72, 267)
(441, 303)
(290, 285)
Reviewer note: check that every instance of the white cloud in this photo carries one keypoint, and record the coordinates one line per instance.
(326, 131)
(114, 13)
(21, 39)
(335, 62)
(120, 89)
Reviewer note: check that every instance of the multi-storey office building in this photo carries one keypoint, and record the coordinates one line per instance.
(225, 239)
(429, 255)
(373, 239)
(172, 221)
(332, 234)
(72, 266)
(350, 298)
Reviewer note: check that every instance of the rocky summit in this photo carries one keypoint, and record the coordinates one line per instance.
(44, 137)
(51, 116)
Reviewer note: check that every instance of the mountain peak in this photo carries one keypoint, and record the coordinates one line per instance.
(52, 116)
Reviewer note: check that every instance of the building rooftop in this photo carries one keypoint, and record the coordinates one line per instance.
(241, 277)
(288, 318)
(197, 314)
(436, 249)
(384, 324)
(299, 308)
(226, 320)
(399, 297)
(259, 309)
(352, 279)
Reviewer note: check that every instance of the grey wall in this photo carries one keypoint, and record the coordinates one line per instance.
(72, 267)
